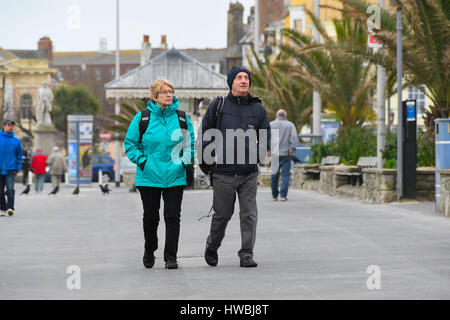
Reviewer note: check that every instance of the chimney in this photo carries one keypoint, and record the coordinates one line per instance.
(103, 45)
(164, 41)
(146, 50)
(45, 44)
(235, 30)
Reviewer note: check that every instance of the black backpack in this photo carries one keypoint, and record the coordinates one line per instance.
(145, 119)
(217, 114)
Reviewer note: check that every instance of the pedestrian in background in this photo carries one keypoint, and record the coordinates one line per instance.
(38, 167)
(26, 164)
(245, 113)
(160, 169)
(10, 164)
(57, 167)
(287, 144)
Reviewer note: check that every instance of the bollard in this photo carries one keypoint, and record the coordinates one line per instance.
(442, 142)
(100, 177)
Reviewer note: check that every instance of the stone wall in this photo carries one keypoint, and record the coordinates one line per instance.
(128, 179)
(443, 207)
(379, 185)
(303, 180)
(426, 184)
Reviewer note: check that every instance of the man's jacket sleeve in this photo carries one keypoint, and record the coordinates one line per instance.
(207, 123)
(266, 126)
(294, 139)
(189, 144)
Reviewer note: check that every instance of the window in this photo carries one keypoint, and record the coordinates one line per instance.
(26, 106)
(298, 25)
(417, 93)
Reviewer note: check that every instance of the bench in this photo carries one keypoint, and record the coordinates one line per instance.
(355, 177)
(326, 161)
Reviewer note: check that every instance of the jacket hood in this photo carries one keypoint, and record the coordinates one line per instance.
(154, 107)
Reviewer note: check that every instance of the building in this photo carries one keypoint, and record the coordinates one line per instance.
(96, 68)
(22, 72)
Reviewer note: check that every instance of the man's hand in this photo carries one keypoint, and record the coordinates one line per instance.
(269, 154)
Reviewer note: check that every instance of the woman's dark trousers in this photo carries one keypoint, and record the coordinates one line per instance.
(151, 198)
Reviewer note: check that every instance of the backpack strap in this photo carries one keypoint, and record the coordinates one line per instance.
(183, 125)
(217, 111)
(145, 119)
(182, 119)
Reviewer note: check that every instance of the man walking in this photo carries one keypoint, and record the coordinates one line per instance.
(244, 130)
(57, 168)
(287, 143)
(10, 164)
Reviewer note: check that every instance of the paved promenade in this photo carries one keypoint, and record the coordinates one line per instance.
(311, 247)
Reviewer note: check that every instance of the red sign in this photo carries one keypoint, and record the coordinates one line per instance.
(105, 135)
(373, 42)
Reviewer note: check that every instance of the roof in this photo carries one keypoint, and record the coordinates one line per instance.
(183, 71)
(29, 54)
(131, 56)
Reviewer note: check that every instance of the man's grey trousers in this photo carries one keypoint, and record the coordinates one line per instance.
(225, 189)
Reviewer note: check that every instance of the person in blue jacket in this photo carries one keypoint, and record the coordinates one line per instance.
(10, 164)
(162, 156)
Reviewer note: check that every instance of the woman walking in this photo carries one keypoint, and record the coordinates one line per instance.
(158, 142)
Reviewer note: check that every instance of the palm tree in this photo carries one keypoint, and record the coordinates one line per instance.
(128, 110)
(279, 91)
(345, 81)
(426, 47)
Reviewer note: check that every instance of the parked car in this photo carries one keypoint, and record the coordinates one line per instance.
(104, 163)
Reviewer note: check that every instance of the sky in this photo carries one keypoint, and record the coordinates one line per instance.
(78, 25)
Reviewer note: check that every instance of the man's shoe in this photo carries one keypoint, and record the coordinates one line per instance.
(10, 212)
(2, 213)
(275, 199)
(248, 262)
(211, 257)
(283, 199)
(171, 264)
(149, 260)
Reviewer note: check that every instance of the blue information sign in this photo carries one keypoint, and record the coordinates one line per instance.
(411, 110)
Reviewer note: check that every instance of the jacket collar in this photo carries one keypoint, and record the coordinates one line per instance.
(7, 134)
(248, 99)
(155, 108)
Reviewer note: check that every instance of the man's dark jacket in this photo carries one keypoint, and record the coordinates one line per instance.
(246, 113)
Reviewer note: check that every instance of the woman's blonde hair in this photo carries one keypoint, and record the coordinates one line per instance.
(156, 87)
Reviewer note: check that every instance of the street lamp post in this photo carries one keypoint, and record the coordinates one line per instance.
(399, 107)
(317, 100)
(118, 146)
(381, 109)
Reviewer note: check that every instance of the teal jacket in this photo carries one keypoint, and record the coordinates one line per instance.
(158, 158)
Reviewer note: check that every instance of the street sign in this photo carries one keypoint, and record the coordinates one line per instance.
(373, 42)
(105, 135)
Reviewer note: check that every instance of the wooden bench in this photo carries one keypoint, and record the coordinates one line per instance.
(355, 177)
(326, 161)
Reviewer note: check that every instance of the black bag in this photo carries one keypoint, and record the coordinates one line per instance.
(217, 113)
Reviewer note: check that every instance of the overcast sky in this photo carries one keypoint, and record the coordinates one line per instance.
(78, 25)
